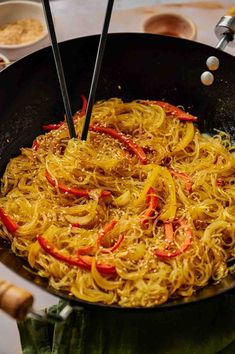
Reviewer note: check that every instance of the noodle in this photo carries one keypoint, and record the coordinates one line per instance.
(140, 213)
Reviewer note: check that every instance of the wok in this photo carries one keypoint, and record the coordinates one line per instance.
(134, 66)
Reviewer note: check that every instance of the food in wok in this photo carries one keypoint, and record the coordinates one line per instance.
(139, 214)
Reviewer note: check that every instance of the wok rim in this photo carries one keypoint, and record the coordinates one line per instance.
(209, 291)
(217, 288)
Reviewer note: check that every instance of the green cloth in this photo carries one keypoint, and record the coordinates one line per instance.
(206, 327)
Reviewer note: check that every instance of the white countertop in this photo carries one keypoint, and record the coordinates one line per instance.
(74, 18)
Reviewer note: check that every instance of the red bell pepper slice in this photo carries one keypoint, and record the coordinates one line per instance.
(82, 112)
(220, 182)
(137, 150)
(83, 262)
(103, 268)
(186, 178)
(107, 228)
(74, 191)
(188, 240)
(169, 233)
(49, 127)
(76, 225)
(115, 246)
(152, 200)
(174, 111)
(85, 250)
(35, 145)
(10, 224)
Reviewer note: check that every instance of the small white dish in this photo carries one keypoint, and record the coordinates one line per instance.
(171, 24)
(13, 10)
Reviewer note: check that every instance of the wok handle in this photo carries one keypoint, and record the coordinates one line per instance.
(15, 301)
(225, 29)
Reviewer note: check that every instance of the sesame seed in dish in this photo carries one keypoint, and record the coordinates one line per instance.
(21, 31)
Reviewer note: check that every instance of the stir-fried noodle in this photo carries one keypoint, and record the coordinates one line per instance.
(141, 212)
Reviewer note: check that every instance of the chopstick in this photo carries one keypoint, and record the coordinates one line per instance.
(96, 72)
(59, 68)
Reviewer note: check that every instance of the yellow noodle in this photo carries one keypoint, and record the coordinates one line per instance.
(70, 223)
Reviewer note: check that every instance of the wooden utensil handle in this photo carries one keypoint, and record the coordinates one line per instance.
(15, 301)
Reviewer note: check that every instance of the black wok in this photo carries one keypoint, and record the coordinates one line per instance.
(134, 66)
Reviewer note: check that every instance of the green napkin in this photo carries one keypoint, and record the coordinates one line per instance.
(205, 327)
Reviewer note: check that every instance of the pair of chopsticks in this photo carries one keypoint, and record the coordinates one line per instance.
(60, 71)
